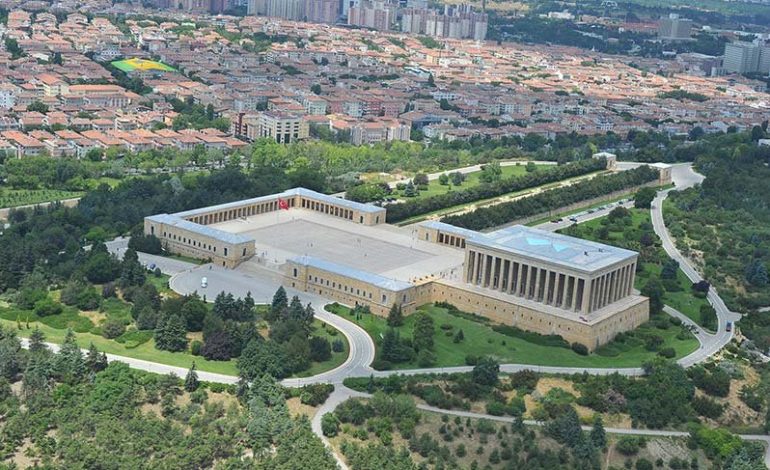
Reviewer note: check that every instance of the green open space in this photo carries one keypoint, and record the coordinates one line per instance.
(129, 65)
(471, 179)
(25, 197)
(140, 344)
(491, 201)
(517, 346)
(679, 294)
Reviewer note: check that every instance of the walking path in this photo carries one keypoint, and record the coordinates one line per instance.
(186, 279)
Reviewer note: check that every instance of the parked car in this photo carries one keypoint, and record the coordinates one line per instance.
(204, 282)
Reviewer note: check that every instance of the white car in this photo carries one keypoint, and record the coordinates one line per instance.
(204, 282)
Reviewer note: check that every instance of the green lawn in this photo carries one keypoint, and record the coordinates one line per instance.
(338, 358)
(481, 339)
(471, 179)
(682, 298)
(23, 197)
(494, 200)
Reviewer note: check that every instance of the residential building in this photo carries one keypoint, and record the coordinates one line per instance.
(674, 28)
(375, 14)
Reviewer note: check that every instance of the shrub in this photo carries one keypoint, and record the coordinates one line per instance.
(47, 307)
(495, 408)
(315, 394)
(113, 328)
(195, 348)
(330, 425)
(426, 358)
(667, 353)
(471, 360)
(630, 445)
(338, 345)
(580, 349)
(707, 407)
(643, 464)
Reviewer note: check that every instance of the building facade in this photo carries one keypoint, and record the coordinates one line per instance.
(535, 280)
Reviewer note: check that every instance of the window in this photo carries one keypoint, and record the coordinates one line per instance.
(295, 272)
(225, 251)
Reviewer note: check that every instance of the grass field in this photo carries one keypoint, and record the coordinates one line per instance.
(681, 299)
(129, 65)
(471, 179)
(482, 340)
(24, 197)
(495, 200)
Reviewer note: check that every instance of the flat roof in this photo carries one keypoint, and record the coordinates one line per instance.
(364, 276)
(221, 235)
(555, 248)
(289, 193)
(449, 228)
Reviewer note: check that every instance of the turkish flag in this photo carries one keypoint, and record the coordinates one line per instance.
(283, 204)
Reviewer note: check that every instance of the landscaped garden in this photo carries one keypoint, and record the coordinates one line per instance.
(105, 317)
(25, 197)
(459, 338)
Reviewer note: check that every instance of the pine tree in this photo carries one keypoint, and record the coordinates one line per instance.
(37, 341)
(191, 382)
(598, 435)
(95, 361)
(395, 316)
(69, 365)
(171, 335)
(296, 311)
(279, 305)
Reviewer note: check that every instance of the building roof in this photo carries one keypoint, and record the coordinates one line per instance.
(554, 248)
(221, 235)
(363, 276)
(307, 193)
(448, 228)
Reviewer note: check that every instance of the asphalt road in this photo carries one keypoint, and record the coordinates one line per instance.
(684, 177)
(262, 283)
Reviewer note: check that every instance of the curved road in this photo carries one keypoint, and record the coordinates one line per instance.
(262, 282)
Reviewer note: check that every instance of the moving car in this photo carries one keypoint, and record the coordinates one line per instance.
(204, 282)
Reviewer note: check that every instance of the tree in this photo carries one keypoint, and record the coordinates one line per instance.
(443, 179)
(217, 346)
(94, 361)
(756, 273)
(279, 305)
(330, 425)
(170, 335)
(316, 89)
(38, 106)
(644, 197)
(395, 316)
(37, 342)
(486, 371)
(422, 335)
(320, 349)
(565, 428)
(654, 290)
(191, 382)
(69, 365)
(598, 434)
(194, 311)
(261, 357)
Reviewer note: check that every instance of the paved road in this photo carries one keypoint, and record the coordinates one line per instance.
(684, 176)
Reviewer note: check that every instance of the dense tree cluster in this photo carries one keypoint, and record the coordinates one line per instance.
(290, 348)
(74, 411)
(552, 199)
(492, 188)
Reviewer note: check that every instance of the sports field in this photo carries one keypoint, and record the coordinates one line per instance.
(129, 65)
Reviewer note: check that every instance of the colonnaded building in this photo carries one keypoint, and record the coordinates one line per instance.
(343, 250)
